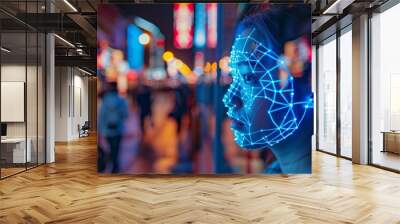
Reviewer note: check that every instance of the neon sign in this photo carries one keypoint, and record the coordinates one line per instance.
(212, 16)
(183, 25)
(200, 26)
(135, 50)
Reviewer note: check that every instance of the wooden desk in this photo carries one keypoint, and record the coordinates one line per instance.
(391, 141)
(16, 147)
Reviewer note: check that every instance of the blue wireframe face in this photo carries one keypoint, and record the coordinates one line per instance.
(260, 100)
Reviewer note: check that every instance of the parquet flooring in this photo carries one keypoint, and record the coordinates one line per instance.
(70, 191)
(10, 171)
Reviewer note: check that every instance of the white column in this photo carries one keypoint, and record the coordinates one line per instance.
(360, 90)
(50, 92)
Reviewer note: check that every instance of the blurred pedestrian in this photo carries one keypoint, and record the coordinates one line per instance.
(113, 112)
(161, 132)
(132, 135)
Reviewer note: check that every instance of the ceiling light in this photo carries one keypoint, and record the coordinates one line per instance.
(337, 7)
(84, 71)
(70, 5)
(331, 7)
(5, 50)
(79, 51)
(64, 40)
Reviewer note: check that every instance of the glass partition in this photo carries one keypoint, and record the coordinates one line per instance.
(22, 89)
(41, 96)
(13, 105)
(314, 90)
(327, 96)
(31, 99)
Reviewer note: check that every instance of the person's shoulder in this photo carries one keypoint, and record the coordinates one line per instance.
(122, 100)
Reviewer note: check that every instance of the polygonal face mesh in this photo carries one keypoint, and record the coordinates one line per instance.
(256, 84)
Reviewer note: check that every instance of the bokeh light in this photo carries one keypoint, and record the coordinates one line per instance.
(144, 39)
(168, 56)
(224, 64)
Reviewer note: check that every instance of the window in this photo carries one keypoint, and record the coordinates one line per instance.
(346, 93)
(327, 96)
(385, 89)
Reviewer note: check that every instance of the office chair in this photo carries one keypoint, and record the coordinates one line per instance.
(84, 130)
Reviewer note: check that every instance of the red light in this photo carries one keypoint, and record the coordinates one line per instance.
(160, 43)
(212, 16)
(183, 25)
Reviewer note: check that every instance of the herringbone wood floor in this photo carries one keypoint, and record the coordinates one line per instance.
(70, 191)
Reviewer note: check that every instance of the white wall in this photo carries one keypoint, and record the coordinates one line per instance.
(16, 73)
(80, 115)
(71, 94)
(61, 103)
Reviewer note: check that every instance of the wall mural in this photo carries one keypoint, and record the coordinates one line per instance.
(204, 88)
